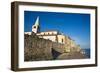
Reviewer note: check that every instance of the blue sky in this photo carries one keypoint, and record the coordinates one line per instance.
(77, 26)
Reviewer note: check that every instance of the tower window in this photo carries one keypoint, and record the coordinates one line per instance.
(62, 40)
(34, 26)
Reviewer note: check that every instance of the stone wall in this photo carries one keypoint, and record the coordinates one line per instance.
(36, 49)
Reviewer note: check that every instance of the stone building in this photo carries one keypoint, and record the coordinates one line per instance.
(54, 36)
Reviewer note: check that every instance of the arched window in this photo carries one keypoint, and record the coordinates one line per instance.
(34, 26)
(62, 40)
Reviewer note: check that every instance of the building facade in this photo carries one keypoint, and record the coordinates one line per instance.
(54, 36)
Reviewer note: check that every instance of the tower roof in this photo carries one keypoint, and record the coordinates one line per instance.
(37, 21)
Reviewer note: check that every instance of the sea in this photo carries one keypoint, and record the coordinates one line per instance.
(87, 52)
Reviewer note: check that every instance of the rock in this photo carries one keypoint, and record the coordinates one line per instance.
(38, 49)
(71, 55)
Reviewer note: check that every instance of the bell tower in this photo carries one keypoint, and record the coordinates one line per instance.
(36, 26)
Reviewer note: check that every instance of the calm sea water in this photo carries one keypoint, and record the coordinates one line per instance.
(87, 52)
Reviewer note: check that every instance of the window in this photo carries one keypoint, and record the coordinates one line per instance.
(34, 26)
(62, 40)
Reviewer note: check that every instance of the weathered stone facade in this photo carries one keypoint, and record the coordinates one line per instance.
(37, 49)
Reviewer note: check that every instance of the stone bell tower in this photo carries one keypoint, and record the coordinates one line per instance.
(36, 26)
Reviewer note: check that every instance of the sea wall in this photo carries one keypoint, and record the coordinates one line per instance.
(36, 49)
